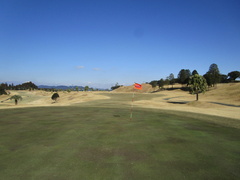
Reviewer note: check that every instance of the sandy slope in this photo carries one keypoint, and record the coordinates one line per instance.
(181, 101)
(42, 98)
(221, 101)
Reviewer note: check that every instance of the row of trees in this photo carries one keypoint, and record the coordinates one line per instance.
(212, 76)
(170, 80)
(86, 88)
(31, 86)
(24, 86)
(196, 83)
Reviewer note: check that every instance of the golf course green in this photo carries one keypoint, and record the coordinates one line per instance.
(97, 140)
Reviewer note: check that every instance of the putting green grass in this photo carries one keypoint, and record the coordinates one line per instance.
(78, 142)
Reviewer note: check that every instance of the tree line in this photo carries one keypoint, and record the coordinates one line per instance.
(24, 86)
(212, 77)
(31, 86)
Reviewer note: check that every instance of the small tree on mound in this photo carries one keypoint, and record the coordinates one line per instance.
(197, 84)
(116, 86)
(16, 98)
(55, 96)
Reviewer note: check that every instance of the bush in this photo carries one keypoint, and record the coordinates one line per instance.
(116, 86)
(55, 96)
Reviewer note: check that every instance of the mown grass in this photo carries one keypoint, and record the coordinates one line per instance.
(118, 100)
(102, 143)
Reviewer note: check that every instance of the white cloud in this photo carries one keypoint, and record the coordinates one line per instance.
(96, 69)
(80, 67)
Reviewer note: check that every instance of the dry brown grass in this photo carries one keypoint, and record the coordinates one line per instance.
(146, 88)
(217, 101)
(42, 98)
(213, 102)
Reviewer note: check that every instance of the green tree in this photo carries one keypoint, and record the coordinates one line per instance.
(27, 85)
(86, 88)
(4, 86)
(77, 89)
(223, 78)
(161, 83)
(116, 86)
(154, 83)
(16, 98)
(194, 72)
(234, 75)
(171, 79)
(183, 76)
(167, 81)
(55, 96)
(2, 91)
(208, 78)
(197, 84)
(213, 75)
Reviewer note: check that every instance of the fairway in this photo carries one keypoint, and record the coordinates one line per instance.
(119, 90)
(86, 142)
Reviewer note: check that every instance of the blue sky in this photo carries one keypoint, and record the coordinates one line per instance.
(99, 43)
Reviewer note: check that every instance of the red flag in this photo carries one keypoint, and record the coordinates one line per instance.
(137, 86)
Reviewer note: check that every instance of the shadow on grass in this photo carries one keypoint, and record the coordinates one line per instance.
(156, 91)
(231, 105)
(178, 102)
(171, 98)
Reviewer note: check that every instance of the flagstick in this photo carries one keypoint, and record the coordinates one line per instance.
(132, 106)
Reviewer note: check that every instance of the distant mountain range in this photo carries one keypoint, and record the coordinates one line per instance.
(60, 87)
(63, 87)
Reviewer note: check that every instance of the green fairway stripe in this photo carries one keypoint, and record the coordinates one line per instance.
(77, 142)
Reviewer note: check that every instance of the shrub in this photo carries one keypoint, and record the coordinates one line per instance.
(55, 96)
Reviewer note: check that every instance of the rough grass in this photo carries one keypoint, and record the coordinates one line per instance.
(102, 143)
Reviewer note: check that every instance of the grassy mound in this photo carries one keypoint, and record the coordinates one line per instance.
(228, 93)
(146, 88)
(102, 143)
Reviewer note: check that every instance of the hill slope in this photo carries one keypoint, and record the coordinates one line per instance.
(225, 93)
(146, 88)
(224, 100)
